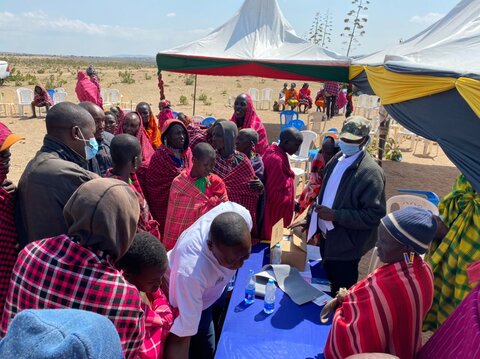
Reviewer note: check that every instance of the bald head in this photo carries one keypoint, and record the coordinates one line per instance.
(230, 240)
(98, 116)
(250, 135)
(230, 230)
(203, 151)
(70, 124)
(124, 148)
(65, 115)
(290, 140)
(92, 108)
(246, 141)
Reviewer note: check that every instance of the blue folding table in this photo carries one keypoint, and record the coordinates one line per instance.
(292, 331)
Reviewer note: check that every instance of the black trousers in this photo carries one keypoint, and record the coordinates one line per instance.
(331, 101)
(203, 344)
(339, 273)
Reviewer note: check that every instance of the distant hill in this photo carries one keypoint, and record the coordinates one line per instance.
(89, 59)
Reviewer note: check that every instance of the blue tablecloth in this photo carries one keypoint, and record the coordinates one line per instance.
(292, 331)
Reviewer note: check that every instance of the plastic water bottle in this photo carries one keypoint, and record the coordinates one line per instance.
(250, 288)
(269, 301)
(231, 284)
(276, 254)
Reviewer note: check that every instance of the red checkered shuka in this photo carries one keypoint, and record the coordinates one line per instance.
(159, 317)
(8, 243)
(146, 223)
(187, 203)
(237, 171)
(57, 273)
(160, 175)
(332, 87)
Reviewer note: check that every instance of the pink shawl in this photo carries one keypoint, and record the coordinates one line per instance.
(253, 121)
(87, 90)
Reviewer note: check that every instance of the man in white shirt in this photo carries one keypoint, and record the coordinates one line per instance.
(201, 264)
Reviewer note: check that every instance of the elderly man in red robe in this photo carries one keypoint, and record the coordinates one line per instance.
(279, 180)
(8, 230)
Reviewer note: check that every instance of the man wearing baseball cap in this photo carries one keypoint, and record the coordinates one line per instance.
(350, 205)
(8, 231)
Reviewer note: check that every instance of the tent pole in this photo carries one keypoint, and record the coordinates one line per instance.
(194, 95)
(383, 129)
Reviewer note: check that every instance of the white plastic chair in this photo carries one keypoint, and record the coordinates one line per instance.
(309, 138)
(114, 97)
(362, 105)
(25, 98)
(198, 119)
(105, 93)
(403, 133)
(315, 121)
(60, 89)
(299, 173)
(398, 202)
(426, 146)
(255, 95)
(59, 96)
(373, 106)
(266, 97)
(7, 107)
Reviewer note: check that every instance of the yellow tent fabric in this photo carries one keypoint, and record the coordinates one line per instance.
(393, 87)
(470, 91)
(354, 71)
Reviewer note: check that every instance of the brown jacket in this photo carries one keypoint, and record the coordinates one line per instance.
(46, 185)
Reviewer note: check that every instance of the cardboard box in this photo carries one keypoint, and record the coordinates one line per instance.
(294, 249)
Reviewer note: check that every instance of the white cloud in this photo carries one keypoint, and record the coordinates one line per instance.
(40, 22)
(427, 19)
(171, 14)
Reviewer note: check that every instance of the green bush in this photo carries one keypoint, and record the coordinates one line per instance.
(183, 100)
(148, 77)
(203, 97)
(189, 80)
(207, 102)
(126, 77)
(224, 92)
(31, 79)
(54, 82)
(40, 71)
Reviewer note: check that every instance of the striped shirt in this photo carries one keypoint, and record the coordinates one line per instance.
(384, 312)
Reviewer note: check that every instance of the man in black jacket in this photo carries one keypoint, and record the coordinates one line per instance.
(55, 172)
(350, 205)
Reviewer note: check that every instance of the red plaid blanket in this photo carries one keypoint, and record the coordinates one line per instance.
(159, 178)
(237, 172)
(58, 273)
(187, 203)
(8, 243)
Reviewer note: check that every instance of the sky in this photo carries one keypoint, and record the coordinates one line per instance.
(144, 27)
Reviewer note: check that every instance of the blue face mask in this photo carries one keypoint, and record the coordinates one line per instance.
(348, 149)
(91, 147)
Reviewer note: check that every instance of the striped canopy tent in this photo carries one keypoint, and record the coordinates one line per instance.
(431, 85)
(256, 41)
